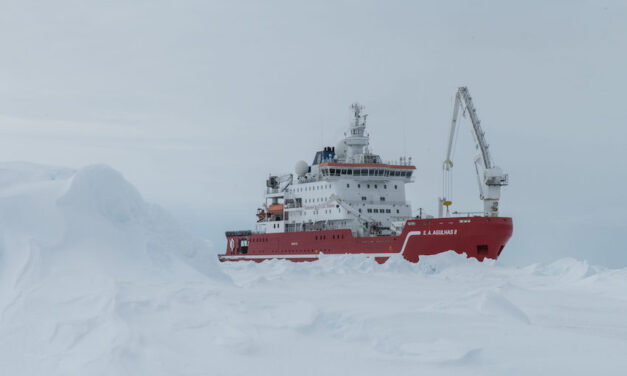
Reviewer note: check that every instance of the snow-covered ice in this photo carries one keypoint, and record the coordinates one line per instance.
(96, 281)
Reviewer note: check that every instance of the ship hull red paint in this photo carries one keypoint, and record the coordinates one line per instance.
(477, 237)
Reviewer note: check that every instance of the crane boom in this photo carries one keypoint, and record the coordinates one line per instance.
(489, 177)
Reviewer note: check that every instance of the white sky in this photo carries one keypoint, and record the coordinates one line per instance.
(196, 102)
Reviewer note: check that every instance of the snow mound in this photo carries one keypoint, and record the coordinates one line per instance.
(57, 219)
(84, 262)
(101, 191)
(567, 269)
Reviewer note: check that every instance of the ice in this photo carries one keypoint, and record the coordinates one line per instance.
(94, 280)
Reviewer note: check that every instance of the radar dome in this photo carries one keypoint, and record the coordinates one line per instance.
(301, 168)
(340, 149)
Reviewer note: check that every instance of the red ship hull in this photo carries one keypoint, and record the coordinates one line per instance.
(478, 237)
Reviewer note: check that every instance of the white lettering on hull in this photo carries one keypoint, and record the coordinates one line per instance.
(441, 232)
(427, 233)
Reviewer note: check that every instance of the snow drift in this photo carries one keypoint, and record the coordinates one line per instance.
(60, 218)
(96, 281)
(78, 249)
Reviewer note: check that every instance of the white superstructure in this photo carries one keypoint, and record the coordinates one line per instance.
(346, 186)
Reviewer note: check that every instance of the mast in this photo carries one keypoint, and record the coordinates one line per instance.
(357, 140)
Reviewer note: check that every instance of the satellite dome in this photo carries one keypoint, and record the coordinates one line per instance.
(301, 168)
(340, 149)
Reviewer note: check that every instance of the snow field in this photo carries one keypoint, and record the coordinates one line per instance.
(95, 281)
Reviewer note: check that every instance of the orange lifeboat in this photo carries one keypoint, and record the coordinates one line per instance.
(276, 209)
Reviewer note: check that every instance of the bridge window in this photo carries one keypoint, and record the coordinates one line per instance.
(382, 198)
(395, 186)
(369, 210)
(363, 198)
(348, 185)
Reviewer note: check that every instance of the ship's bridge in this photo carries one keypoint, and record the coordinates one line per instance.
(367, 170)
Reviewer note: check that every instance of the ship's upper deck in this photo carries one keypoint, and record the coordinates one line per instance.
(346, 186)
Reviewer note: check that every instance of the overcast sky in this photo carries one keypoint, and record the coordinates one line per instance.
(196, 102)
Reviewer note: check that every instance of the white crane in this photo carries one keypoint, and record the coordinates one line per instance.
(490, 178)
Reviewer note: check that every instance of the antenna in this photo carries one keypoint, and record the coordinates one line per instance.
(404, 140)
(357, 108)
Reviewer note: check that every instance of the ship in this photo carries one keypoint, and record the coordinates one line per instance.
(350, 201)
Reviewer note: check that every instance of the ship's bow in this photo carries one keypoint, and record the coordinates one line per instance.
(478, 237)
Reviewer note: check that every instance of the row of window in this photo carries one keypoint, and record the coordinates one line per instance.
(326, 211)
(325, 199)
(364, 172)
(375, 210)
(376, 186)
(319, 199)
(328, 186)
(311, 188)
(364, 198)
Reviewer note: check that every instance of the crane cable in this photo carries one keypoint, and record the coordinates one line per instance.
(447, 180)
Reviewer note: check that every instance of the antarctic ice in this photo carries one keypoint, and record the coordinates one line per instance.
(94, 280)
